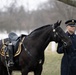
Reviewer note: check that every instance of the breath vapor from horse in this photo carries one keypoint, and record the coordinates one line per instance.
(31, 58)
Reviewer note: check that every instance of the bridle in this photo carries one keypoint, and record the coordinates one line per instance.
(54, 31)
(57, 34)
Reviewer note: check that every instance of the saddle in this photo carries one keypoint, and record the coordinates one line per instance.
(13, 37)
(15, 41)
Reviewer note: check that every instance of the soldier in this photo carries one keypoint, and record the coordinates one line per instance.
(68, 63)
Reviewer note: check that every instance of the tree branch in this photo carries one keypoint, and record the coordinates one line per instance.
(69, 2)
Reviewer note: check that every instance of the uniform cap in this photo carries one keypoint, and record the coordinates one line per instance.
(71, 22)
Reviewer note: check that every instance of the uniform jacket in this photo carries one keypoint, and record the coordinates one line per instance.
(68, 63)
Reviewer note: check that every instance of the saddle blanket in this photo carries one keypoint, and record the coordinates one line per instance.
(18, 50)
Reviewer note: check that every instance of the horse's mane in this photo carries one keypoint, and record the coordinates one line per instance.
(35, 33)
(40, 28)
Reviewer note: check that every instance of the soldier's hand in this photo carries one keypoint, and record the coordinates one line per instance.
(64, 45)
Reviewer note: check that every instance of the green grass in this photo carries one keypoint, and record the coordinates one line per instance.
(51, 65)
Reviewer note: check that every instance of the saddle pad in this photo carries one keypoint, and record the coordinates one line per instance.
(2, 51)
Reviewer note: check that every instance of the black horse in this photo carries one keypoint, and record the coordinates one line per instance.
(31, 58)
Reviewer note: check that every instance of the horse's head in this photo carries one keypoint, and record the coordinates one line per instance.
(60, 35)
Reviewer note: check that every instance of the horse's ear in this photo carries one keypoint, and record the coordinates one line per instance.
(57, 24)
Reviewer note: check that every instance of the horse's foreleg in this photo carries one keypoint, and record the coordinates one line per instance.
(4, 71)
(10, 72)
(38, 71)
(24, 71)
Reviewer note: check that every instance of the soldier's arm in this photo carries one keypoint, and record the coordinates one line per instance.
(60, 48)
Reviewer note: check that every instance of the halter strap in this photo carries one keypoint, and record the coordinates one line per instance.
(54, 31)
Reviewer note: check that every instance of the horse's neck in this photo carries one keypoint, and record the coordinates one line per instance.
(39, 39)
(42, 38)
(46, 42)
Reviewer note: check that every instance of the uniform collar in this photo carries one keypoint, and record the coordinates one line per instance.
(70, 35)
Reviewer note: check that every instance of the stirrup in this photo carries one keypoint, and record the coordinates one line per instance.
(10, 63)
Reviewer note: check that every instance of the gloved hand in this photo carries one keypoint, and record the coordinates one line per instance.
(64, 45)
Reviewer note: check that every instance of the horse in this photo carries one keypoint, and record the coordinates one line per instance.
(31, 57)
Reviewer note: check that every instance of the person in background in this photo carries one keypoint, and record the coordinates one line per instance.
(68, 62)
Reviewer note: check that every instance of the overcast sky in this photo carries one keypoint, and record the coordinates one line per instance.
(32, 3)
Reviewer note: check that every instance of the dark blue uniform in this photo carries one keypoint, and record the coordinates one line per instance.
(68, 63)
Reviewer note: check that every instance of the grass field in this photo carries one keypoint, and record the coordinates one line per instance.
(51, 65)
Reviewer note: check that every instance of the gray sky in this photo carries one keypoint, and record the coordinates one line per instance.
(32, 3)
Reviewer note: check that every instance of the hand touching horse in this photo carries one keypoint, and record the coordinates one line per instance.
(31, 57)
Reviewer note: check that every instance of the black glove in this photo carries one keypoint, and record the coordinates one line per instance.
(64, 45)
